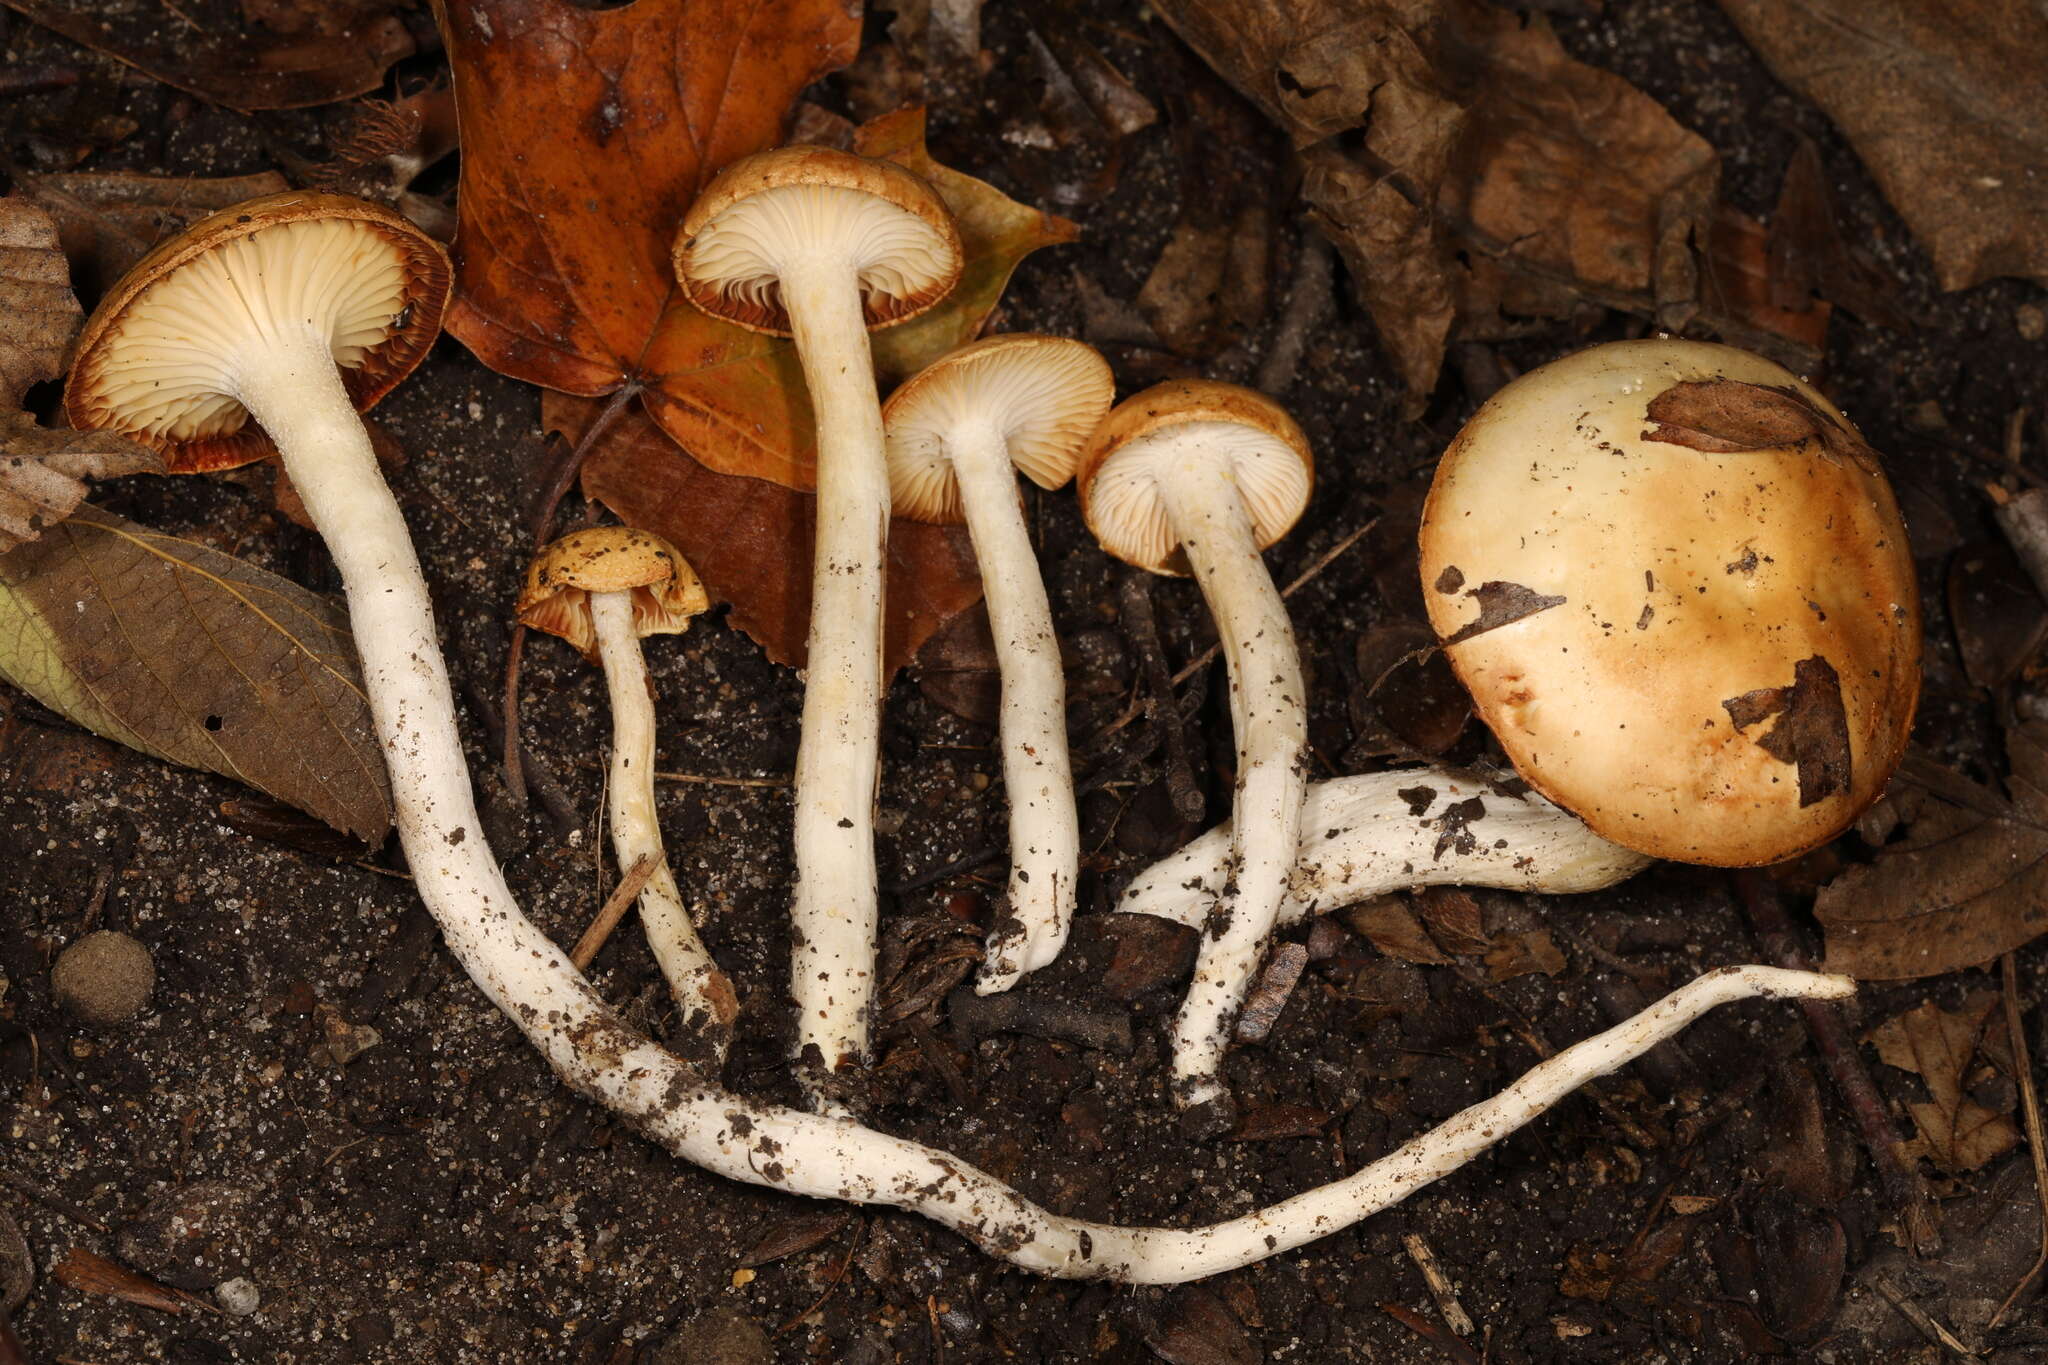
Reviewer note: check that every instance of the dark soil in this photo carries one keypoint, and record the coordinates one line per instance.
(440, 1198)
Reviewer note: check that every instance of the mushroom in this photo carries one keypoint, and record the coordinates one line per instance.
(1193, 476)
(821, 245)
(1366, 835)
(603, 589)
(958, 433)
(1676, 584)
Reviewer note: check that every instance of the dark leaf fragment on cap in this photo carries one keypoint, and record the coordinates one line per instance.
(1730, 417)
(1500, 604)
(1812, 732)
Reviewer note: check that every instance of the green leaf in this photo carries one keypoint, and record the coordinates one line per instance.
(195, 657)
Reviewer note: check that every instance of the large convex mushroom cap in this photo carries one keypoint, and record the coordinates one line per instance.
(1677, 585)
(1146, 435)
(158, 360)
(666, 591)
(764, 210)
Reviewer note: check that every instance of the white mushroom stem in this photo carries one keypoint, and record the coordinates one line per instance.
(704, 993)
(1269, 712)
(1045, 834)
(1368, 835)
(833, 914)
(293, 390)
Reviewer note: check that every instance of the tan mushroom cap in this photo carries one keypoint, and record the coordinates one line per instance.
(898, 230)
(1143, 438)
(1044, 394)
(666, 591)
(155, 358)
(1706, 656)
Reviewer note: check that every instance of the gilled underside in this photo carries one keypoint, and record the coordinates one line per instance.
(1129, 517)
(171, 368)
(902, 263)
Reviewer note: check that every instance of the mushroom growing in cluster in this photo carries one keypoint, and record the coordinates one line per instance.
(958, 434)
(603, 590)
(821, 245)
(1197, 477)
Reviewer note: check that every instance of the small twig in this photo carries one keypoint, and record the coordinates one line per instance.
(838, 1274)
(1436, 1336)
(1141, 627)
(98, 903)
(1903, 1187)
(539, 778)
(614, 910)
(50, 1199)
(945, 872)
(1918, 1316)
(934, 1050)
(1269, 994)
(36, 79)
(1101, 1028)
(508, 719)
(1440, 1289)
(718, 780)
(2037, 1149)
(1310, 299)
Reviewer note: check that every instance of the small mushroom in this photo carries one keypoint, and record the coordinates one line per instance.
(821, 245)
(1198, 477)
(1676, 583)
(603, 590)
(1366, 835)
(958, 433)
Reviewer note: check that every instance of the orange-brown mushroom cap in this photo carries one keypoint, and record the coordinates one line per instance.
(154, 361)
(1688, 625)
(666, 590)
(1268, 456)
(1044, 394)
(890, 223)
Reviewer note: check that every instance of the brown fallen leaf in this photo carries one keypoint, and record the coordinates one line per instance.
(197, 658)
(1944, 104)
(108, 220)
(41, 470)
(750, 540)
(1197, 1328)
(1956, 1132)
(213, 56)
(797, 1233)
(587, 133)
(1390, 926)
(1454, 918)
(1968, 882)
(91, 1273)
(1523, 954)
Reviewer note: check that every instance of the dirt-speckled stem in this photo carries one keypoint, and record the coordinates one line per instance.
(704, 994)
(833, 915)
(1366, 835)
(1045, 834)
(1270, 715)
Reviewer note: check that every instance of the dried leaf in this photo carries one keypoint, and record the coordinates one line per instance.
(41, 470)
(1998, 614)
(108, 220)
(586, 135)
(1454, 918)
(1970, 880)
(1390, 926)
(195, 657)
(1956, 1133)
(1198, 1329)
(797, 1233)
(1942, 102)
(750, 540)
(1523, 955)
(90, 1273)
(216, 58)
(1275, 1122)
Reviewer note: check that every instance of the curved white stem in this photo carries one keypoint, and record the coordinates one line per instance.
(1269, 709)
(704, 993)
(1045, 834)
(1367, 835)
(833, 913)
(294, 392)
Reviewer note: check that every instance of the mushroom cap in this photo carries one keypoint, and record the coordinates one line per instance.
(1708, 649)
(556, 599)
(763, 208)
(155, 361)
(1147, 435)
(1043, 394)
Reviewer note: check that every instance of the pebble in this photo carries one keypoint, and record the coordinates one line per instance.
(238, 1297)
(104, 978)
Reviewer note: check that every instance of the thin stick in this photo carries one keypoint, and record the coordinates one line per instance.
(1921, 1320)
(1141, 625)
(2037, 1149)
(50, 1199)
(838, 1274)
(1440, 1288)
(716, 780)
(1903, 1187)
(623, 895)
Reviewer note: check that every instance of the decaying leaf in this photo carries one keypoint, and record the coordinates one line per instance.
(1726, 416)
(91, 1273)
(216, 57)
(1956, 1132)
(108, 220)
(750, 540)
(1968, 882)
(1524, 954)
(193, 656)
(40, 469)
(1390, 926)
(588, 132)
(1943, 103)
